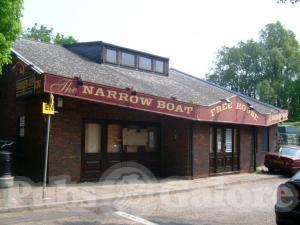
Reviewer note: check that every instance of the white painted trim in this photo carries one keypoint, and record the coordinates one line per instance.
(26, 61)
(134, 218)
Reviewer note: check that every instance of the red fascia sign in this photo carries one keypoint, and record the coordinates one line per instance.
(234, 111)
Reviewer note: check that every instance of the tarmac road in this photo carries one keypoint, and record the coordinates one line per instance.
(235, 204)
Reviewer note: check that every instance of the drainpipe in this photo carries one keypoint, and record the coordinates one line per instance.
(254, 141)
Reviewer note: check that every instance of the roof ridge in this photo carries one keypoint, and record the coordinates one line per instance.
(37, 41)
(228, 90)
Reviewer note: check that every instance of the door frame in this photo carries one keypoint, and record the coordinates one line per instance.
(235, 153)
(123, 155)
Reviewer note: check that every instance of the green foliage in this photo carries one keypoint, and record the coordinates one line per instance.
(291, 1)
(268, 70)
(60, 39)
(45, 34)
(239, 67)
(10, 28)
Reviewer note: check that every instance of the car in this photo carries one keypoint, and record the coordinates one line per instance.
(287, 207)
(286, 159)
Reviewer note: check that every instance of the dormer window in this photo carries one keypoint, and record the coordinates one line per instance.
(137, 60)
(127, 59)
(145, 63)
(159, 66)
(111, 56)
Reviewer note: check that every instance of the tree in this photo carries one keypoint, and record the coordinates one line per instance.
(10, 28)
(282, 62)
(61, 39)
(268, 70)
(45, 34)
(291, 1)
(239, 68)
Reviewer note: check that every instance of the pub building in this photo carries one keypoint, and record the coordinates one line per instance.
(117, 104)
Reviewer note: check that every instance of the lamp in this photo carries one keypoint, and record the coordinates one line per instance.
(59, 102)
(225, 100)
(250, 106)
(79, 81)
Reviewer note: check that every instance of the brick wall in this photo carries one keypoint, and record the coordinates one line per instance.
(201, 146)
(260, 156)
(176, 147)
(30, 161)
(246, 144)
(66, 137)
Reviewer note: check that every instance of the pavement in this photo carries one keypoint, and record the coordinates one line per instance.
(25, 195)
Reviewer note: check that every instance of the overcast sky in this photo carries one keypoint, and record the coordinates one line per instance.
(189, 32)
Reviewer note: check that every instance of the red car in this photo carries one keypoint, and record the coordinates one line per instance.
(287, 159)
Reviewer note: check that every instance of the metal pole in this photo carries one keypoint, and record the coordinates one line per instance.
(46, 156)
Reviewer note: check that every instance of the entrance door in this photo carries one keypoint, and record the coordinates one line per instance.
(109, 143)
(224, 153)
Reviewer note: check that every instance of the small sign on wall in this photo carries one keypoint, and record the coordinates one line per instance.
(137, 137)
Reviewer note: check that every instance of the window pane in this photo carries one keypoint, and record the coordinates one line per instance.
(236, 140)
(219, 140)
(92, 138)
(264, 139)
(152, 139)
(145, 63)
(127, 59)
(114, 138)
(22, 121)
(111, 55)
(159, 66)
(211, 137)
(228, 140)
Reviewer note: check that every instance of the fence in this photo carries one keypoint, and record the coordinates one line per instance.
(288, 139)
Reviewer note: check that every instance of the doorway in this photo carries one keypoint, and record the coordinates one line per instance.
(107, 143)
(224, 150)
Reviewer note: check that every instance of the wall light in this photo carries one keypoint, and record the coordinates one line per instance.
(60, 102)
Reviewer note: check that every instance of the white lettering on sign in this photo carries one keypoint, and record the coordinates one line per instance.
(227, 106)
(69, 87)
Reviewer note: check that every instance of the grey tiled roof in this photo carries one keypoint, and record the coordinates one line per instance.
(58, 60)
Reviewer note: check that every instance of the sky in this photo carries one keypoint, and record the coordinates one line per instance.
(188, 32)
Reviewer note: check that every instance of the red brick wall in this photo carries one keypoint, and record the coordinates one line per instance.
(176, 147)
(201, 146)
(260, 156)
(30, 162)
(246, 153)
(66, 136)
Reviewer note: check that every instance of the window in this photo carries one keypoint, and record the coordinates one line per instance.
(219, 140)
(21, 126)
(111, 56)
(236, 140)
(152, 139)
(264, 139)
(145, 63)
(228, 140)
(114, 138)
(211, 139)
(127, 59)
(159, 66)
(291, 152)
(92, 138)
(21, 123)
